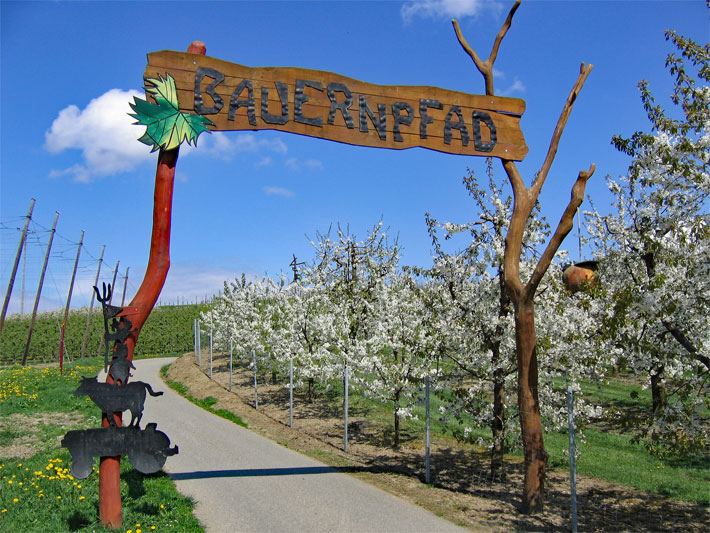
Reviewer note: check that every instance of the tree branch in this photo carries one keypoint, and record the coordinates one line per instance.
(685, 342)
(486, 67)
(563, 228)
(584, 71)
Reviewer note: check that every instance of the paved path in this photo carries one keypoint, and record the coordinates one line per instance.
(245, 482)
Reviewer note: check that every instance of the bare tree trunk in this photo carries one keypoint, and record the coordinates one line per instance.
(529, 409)
(522, 294)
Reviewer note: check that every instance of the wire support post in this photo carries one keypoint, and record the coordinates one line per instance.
(427, 472)
(572, 458)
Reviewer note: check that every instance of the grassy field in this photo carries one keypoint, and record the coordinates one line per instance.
(37, 493)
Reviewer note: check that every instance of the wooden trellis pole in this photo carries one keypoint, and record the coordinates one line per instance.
(91, 306)
(66, 309)
(17, 261)
(39, 289)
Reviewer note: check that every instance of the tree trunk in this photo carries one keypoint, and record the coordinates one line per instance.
(658, 389)
(110, 508)
(396, 419)
(529, 409)
(498, 422)
(497, 426)
(311, 383)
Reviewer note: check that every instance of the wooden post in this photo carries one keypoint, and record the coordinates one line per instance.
(91, 306)
(66, 309)
(24, 275)
(113, 282)
(17, 261)
(39, 289)
(110, 509)
(125, 282)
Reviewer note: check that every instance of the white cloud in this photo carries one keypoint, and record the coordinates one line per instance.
(226, 147)
(108, 139)
(265, 162)
(517, 87)
(446, 8)
(297, 165)
(103, 132)
(277, 191)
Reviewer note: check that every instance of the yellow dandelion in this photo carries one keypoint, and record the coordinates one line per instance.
(82, 498)
(15, 500)
(3, 511)
(162, 506)
(59, 497)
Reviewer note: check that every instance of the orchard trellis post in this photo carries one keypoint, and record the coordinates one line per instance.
(6, 302)
(39, 289)
(66, 308)
(189, 87)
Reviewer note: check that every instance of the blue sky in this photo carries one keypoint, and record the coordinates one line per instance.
(245, 201)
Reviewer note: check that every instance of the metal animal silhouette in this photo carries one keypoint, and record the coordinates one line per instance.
(121, 329)
(120, 369)
(147, 449)
(111, 398)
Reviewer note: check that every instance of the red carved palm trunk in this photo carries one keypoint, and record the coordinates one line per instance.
(110, 508)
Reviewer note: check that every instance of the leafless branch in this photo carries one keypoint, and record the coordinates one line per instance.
(486, 67)
(584, 71)
(563, 228)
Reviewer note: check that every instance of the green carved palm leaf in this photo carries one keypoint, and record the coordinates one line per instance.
(166, 126)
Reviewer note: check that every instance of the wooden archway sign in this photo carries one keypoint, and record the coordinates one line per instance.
(329, 106)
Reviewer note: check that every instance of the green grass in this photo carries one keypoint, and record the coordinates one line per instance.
(204, 403)
(607, 455)
(613, 457)
(38, 494)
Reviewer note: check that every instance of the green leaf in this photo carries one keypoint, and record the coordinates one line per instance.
(166, 126)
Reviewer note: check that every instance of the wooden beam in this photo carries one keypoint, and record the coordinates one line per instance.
(330, 106)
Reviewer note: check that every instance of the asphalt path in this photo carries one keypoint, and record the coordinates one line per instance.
(242, 481)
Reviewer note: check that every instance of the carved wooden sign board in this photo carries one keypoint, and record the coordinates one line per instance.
(329, 106)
